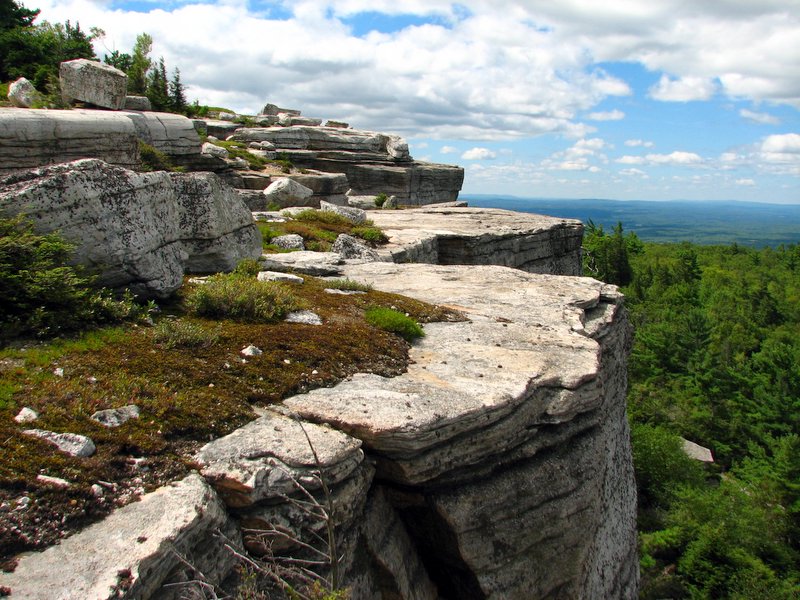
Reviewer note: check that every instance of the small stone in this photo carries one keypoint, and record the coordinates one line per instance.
(251, 351)
(290, 241)
(343, 292)
(305, 317)
(26, 415)
(114, 417)
(71, 443)
(55, 481)
(355, 215)
(59, 372)
(91, 379)
(287, 361)
(97, 491)
(210, 149)
(277, 276)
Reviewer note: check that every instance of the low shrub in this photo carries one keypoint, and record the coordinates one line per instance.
(395, 322)
(154, 160)
(248, 267)
(179, 333)
(381, 199)
(370, 233)
(240, 298)
(42, 294)
(348, 284)
(322, 216)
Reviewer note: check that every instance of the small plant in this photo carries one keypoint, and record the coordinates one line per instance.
(381, 199)
(154, 160)
(394, 321)
(239, 150)
(322, 216)
(248, 267)
(237, 297)
(370, 233)
(348, 285)
(179, 333)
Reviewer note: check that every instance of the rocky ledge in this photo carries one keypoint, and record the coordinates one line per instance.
(498, 466)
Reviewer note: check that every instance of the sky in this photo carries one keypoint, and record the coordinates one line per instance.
(620, 99)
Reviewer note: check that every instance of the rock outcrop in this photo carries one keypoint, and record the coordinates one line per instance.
(374, 163)
(32, 138)
(93, 82)
(141, 230)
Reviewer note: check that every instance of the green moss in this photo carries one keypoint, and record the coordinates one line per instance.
(370, 234)
(239, 150)
(393, 320)
(155, 160)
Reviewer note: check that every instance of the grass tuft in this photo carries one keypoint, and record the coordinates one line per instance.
(394, 321)
(240, 298)
(180, 333)
(348, 285)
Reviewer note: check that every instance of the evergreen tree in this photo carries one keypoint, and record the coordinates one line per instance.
(158, 87)
(13, 15)
(177, 94)
(120, 60)
(140, 65)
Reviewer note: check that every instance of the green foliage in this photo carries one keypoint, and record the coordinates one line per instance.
(239, 150)
(181, 333)
(240, 298)
(140, 64)
(394, 321)
(348, 284)
(381, 199)
(41, 293)
(155, 160)
(607, 257)
(177, 93)
(370, 233)
(158, 87)
(248, 267)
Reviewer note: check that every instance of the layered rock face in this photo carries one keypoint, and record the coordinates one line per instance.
(374, 163)
(141, 230)
(32, 138)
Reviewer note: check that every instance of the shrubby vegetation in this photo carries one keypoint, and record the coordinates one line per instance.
(394, 321)
(716, 360)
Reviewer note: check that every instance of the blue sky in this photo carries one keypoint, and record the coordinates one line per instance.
(625, 99)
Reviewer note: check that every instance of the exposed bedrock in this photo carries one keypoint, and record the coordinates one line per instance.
(33, 138)
(141, 230)
(482, 236)
(504, 448)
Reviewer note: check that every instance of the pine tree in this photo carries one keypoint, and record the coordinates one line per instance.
(177, 94)
(140, 64)
(158, 87)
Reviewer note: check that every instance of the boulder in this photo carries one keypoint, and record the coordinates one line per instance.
(114, 417)
(286, 120)
(93, 82)
(73, 444)
(318, 264)
(137, 103)
(137, 230)
(21, 93)
(214, 150)
(287, 192)
(337, 124)
(169, 133)
(290, 241)
(350, 247)
(274, 110)
(356, 216)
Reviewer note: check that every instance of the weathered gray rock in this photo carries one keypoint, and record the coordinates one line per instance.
(214, 150)
(356, 216)
(301, 137)
(141, 230)
(219, 128)
(137, 103)
(271, 458)
(327, 187)
(275, 110)
(22, 93)
(352, 248)
(290, 241)
(696, 451)
(287, 120)
(26, 415)
(391, 203)
(169, 133)
(318, 264)
(337, 124)
(482, 236)
(507, 432)
(253, 199)
(136, 551)
(287, 192)
(414, 183)
(72, 443)
(114, 417)
(93, 82)
(227, 116)
(277, 276)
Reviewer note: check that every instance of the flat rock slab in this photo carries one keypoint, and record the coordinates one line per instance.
(319, 264)
(528, 357)
(136, 546)
(483, 236)
(269, 457)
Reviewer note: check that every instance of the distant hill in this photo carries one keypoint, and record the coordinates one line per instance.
(747, 223)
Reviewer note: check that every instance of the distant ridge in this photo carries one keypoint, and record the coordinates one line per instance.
(701, 222)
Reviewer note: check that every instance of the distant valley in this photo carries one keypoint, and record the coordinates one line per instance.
(747, 223)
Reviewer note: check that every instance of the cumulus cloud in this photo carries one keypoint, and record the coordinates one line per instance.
(674, 158)
(448, 150)
(613, 115)
(745, 182)
(683, 90)
(759, 117)
(478, 154)
(638, 143)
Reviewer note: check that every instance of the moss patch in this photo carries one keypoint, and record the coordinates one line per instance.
(187, 396)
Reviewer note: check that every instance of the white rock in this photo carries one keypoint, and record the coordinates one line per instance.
(114, 417)
(94, 82)
(291, 241)
(697, 452)
(287, 192)
(352, 248)
(356, 215)
(305, 317)
(55, 481)
(277, 276)
(26, 415)
(59, 372)
(251, 351)
(21, 93)
(71, 443)
(210, 149)
(227, 116)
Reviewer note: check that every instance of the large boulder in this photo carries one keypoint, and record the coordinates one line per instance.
(21, 93)
(137, 230)
(93, 82)
(287, 192)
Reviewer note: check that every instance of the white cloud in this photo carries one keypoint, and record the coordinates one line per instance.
(634, 173)
(478, 154)
(788, 143)
(448, 150)
(745, 182)
(613, 115)
(637, 143)
(759, 117)
(674, 158)
(631, 160)
(683, 90)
